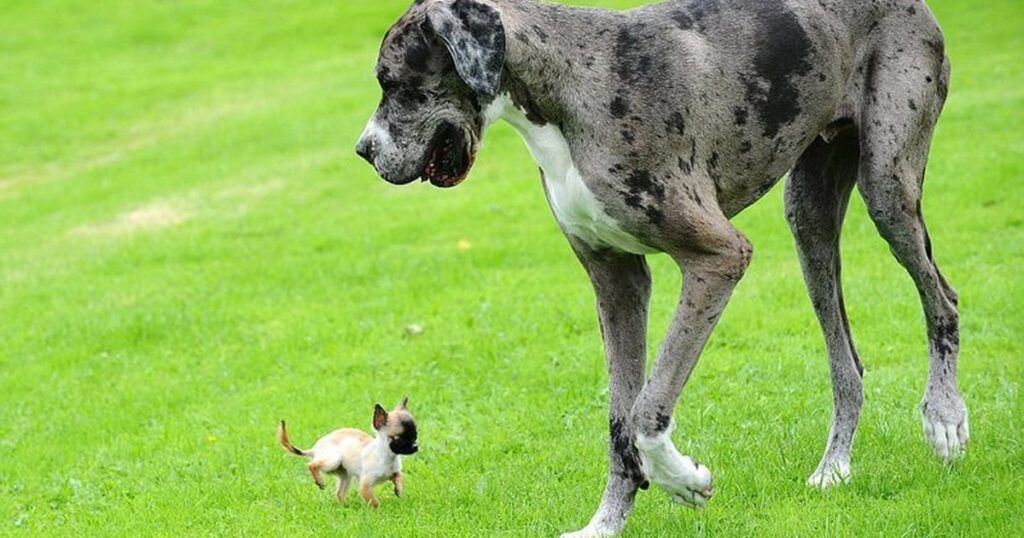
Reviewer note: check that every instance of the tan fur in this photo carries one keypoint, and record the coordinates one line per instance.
(351, 453)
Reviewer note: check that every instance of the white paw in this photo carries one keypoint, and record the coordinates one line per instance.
(686, 481)
(829, 474)
(945, 425)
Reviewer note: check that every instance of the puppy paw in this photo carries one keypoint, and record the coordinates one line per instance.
(944, 416)
(686, 481)
(829, 473)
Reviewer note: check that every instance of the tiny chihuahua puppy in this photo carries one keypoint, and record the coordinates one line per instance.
(352, 454)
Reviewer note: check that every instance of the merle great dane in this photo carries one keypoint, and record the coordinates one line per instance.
(654, 127)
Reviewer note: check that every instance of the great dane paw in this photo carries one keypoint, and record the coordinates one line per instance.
(945, 424)
(686, 481)
(829, 473)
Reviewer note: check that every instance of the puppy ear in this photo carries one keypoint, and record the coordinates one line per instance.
(405, 402)
(475, 38)
(380, 417)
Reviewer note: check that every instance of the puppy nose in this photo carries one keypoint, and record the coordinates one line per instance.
(365, 150)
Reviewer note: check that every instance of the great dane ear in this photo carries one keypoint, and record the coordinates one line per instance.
(475, 38)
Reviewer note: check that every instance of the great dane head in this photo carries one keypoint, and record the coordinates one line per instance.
(439, 65)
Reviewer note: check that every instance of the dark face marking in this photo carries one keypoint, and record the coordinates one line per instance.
(771, 91)
(417, 51)
(405, 441)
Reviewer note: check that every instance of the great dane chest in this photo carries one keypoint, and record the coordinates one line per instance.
(574, 205)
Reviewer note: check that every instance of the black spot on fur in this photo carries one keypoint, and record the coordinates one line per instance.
(417, 54)
(632, 64)
(662, 421)
(746, 146)
(694, 15)
(655, 215)
(641, 181)
(540, 33)
(946, 337)
(619, 107)
(646, 193)
(682, 19)
(522, 98)
(783, 55)
(622, 447)
(912, 104)
(676, 124)
(741, 115)
(628, 137)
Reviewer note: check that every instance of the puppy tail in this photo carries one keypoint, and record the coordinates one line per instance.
(282, 437)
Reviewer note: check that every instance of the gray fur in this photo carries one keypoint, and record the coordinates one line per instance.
(681, 114)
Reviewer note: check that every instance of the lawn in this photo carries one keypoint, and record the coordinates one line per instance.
(190, 251)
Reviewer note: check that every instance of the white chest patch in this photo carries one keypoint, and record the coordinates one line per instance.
(577, 209)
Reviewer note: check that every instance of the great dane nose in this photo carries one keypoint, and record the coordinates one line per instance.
(365, 150)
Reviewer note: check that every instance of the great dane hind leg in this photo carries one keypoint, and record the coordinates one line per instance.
(817, 195)
(713, 259)
(898, 120)
(622, 285)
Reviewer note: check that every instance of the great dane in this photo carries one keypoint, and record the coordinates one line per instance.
(653, 127)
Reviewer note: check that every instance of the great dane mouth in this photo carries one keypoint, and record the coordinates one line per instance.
(450, 156)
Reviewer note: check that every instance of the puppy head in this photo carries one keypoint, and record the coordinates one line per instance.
(398, 427)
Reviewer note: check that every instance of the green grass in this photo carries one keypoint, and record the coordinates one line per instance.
(190, 251)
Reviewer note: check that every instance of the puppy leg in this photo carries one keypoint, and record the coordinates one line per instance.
(366, 492)
(314, 471)
(399, 487)
(343, 481)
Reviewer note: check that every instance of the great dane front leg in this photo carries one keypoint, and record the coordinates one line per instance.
(622, 285)
(709, 279)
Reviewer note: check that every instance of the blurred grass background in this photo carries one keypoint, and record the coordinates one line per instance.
(190, 251)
